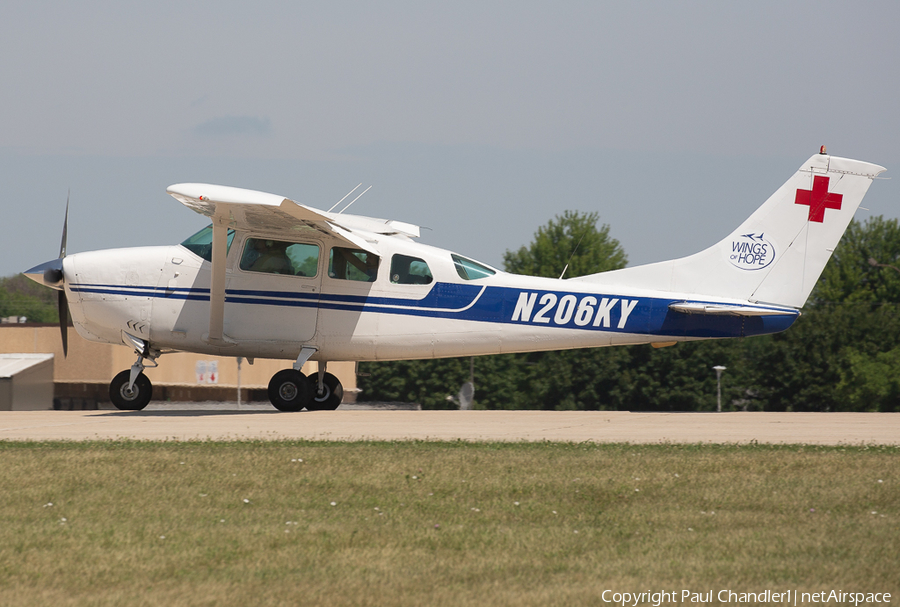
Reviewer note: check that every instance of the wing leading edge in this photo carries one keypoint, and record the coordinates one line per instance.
(259, 211)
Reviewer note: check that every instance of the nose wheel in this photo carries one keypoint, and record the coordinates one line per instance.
(131, 390)
(130, 398)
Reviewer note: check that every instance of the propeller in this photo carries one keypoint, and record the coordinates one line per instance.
(51, 274)
(62, 301)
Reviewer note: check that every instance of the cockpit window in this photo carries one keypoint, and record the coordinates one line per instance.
(406, 270)
(353, 264)
(279, 257)
(471, 270)
(201, 242)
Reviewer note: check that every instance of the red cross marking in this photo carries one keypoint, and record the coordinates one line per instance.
(818, 199)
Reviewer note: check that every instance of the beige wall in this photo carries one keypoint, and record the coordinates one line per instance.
(90, 362)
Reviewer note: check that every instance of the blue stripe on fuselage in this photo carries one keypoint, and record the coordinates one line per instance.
(503, 305)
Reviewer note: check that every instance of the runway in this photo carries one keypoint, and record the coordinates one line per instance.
(215, 423)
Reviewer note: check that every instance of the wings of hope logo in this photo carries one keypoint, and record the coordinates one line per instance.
(751, 252)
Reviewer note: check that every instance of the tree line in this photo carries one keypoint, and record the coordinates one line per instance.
(21, 296)
(842, 354)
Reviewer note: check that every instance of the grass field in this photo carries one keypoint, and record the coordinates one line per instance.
(422, 523)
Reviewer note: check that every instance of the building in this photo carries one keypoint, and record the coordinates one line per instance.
(26, 381)
(81, 380)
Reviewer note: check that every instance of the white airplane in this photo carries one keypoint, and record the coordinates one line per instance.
(271, 278)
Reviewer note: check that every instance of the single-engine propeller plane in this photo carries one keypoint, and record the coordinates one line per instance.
(272, 278)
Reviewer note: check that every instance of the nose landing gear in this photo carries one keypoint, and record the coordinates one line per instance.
(133, 397)
(130, 390)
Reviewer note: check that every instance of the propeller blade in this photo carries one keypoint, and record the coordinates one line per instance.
(62, 245)
(64, 321)
(63, 302)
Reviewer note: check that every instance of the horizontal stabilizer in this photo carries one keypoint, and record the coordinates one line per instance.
(689, 307)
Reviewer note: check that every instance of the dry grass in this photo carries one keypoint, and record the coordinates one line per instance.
(438, 523)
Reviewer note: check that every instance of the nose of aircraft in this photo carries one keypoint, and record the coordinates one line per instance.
(50, 274)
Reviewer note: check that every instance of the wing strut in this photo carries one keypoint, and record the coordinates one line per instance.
(217, 287)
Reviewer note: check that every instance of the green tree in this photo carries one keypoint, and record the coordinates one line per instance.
(849, 277)
(830, 358)
(572, 239)
(20, 296)
(871, 379)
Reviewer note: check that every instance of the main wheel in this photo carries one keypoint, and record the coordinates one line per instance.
(134, 399)
(331, 396)
(289, 390)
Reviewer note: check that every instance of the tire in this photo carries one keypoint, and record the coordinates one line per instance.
(130, 400)
(332, 396)
(289, 391)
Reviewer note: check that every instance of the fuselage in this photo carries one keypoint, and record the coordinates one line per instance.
(410, 301)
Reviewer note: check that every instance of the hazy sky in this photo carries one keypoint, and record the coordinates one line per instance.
(482, 121)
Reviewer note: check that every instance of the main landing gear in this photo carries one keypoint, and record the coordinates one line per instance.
(290, 390)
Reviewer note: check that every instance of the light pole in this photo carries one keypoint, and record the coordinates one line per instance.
(240, 359)
(718, 369)
(874, 262)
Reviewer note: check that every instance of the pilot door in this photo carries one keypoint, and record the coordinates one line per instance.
(272, 292)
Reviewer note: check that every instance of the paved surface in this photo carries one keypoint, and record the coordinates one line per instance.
(263, 422)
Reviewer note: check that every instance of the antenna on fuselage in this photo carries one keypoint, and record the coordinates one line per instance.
(355, 199)
(583, 234)
(345, 197)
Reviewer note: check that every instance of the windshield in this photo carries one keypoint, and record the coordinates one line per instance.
(201, 242)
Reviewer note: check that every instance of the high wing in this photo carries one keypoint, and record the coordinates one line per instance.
(242, 209)
(259, 211)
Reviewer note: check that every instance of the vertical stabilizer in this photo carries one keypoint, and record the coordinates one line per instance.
(778, 253)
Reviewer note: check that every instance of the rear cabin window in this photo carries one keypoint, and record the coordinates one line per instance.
(279, 257)
(201, 242)
(353, 264)
(471, 270)
(406, 270)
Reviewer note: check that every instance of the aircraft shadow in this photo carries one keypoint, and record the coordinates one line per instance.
(188, 413)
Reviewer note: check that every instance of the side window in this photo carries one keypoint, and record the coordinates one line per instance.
(471, 270)
(353, 264)
(279, 257)
(406, 270)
